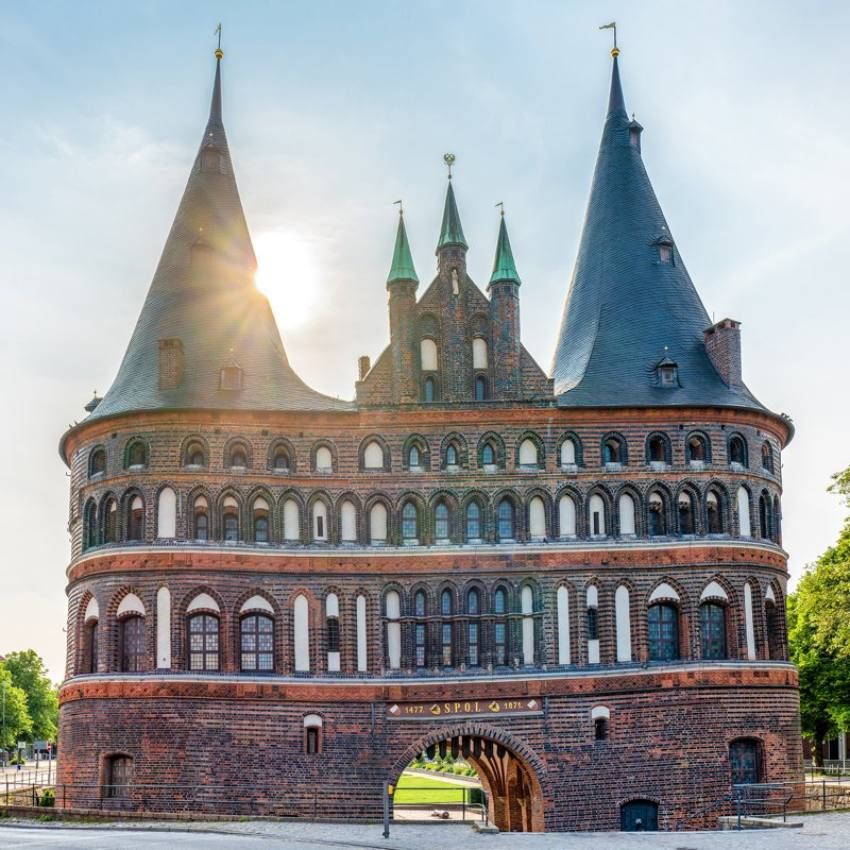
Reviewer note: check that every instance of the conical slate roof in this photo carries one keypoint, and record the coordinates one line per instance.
(203, 295)
(451, 233)
(402, 264)
(625, 305)
(504, 267)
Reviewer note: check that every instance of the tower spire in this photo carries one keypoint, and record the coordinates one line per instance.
(504, 268)
(215, 104)
(451, 233)
(402, 264)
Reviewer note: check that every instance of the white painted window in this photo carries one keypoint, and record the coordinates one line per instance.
(320, 521)
(348, 522)
(301, 625)
(568, 453)
(746, 529)
(527, 604)
(130, 604)
(528, 453)
(393, 603)
(203, 601)
(479, 353)
(332, 613)
(324, 459)
(596, 516)
(537, 518)
(563, 599)
(93, 610)
(378, 523)
(291, 520)
(362, 657)
(163, 629)
(166, 514)
(627, 514)
(567, 516)
(428, 355)
(748, 618)
(257, 603)
(373, 456)
(622, 610)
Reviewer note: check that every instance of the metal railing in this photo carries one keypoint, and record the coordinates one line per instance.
(440, 803)
(772, 799)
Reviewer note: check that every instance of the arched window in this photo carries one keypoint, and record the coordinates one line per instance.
(563, 606)
(413, 459)
(320, 521)
(230, 519)
(696, 449)
(687, 514)
(378, 524)
(663, 632)
(451, 455)
(737, 450)
(137, 455)
(473, 522)
(166, 514)
(506, 520)
(596, 516)
(441, 522)
(261, 520)
(429, 389)
(656, 449)
(765, 530)
(712, 623)
(480, 388)
(110, 521)
(373, 456)
(613, 450)
(627, 515)
(567, 516)
(136, 519)
(745, 761)
(195, 454)
(256, 635)
(623, 619)
(348, 522)
(132, 640)
(291, 520)
(767, 457)
(777, 521)
(203, 642)
(568, 453)
(773, 627)
(409, 523)
(528, 454)
(447, 628)
(200, 519)
(488, 455)
(97, 462)
(281, 461)
(657, 520)
(745, 528)
(527, 604)
(392, 610)
(500, 627)
(90, 646)
(592, 623)
(473, 602)
(537, 519)
(714, 514)
(301, 636)
(90, 537)
(324, 459)
(479, 353)
(446, 602)
(332, 632)
(428, 359)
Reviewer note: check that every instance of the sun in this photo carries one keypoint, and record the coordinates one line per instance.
(288, 274)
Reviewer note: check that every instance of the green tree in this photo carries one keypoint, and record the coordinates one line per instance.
(15, 722)
(30, 675)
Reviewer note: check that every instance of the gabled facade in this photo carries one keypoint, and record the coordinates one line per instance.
(576, 582)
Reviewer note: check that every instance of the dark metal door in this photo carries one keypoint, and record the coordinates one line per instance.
(639, 816)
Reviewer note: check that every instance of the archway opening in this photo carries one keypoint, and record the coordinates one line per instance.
(475, 775)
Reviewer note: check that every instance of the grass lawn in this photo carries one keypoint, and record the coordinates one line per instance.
(413, 789)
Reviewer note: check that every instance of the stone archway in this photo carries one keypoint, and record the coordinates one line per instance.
(508, 769)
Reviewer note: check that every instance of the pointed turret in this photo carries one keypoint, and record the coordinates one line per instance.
(206, 337)
(630, 295)
(504, 268)
(451, 233)
(402, 265)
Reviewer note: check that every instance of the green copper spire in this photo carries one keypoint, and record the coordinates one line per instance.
(451, 232)
(504, 267)
(402, 266)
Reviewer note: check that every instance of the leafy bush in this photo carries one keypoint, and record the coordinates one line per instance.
(47, 798)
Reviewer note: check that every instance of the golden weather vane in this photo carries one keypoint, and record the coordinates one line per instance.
(449, 160)
(400, 206)
(218, 51)
(612, 26)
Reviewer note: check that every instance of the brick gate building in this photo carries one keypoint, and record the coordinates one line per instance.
(576, 581)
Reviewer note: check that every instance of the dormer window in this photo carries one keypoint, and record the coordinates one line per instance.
(230, 378)
(635, 130)
(665, 253)
(664, 245)
(668, 372)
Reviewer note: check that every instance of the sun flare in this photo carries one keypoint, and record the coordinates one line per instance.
(288, 274)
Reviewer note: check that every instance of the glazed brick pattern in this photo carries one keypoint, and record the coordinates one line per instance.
(669, 739)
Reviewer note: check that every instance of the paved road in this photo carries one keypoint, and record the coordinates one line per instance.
(820, 832)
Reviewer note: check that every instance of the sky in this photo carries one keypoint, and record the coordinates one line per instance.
(336, 109)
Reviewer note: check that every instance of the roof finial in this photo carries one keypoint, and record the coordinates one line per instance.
(449, 160)
(400, 207)
(219, 53)
(615, 51)
(501, 206)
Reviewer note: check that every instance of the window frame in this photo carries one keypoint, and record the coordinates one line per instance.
(260, 653)
(205, 617)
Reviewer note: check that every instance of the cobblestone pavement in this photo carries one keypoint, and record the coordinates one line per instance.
(819, 832)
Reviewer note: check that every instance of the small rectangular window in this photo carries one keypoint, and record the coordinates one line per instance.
(311, 743)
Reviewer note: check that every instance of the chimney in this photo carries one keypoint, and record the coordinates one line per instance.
(723, 344)
(363, 366)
